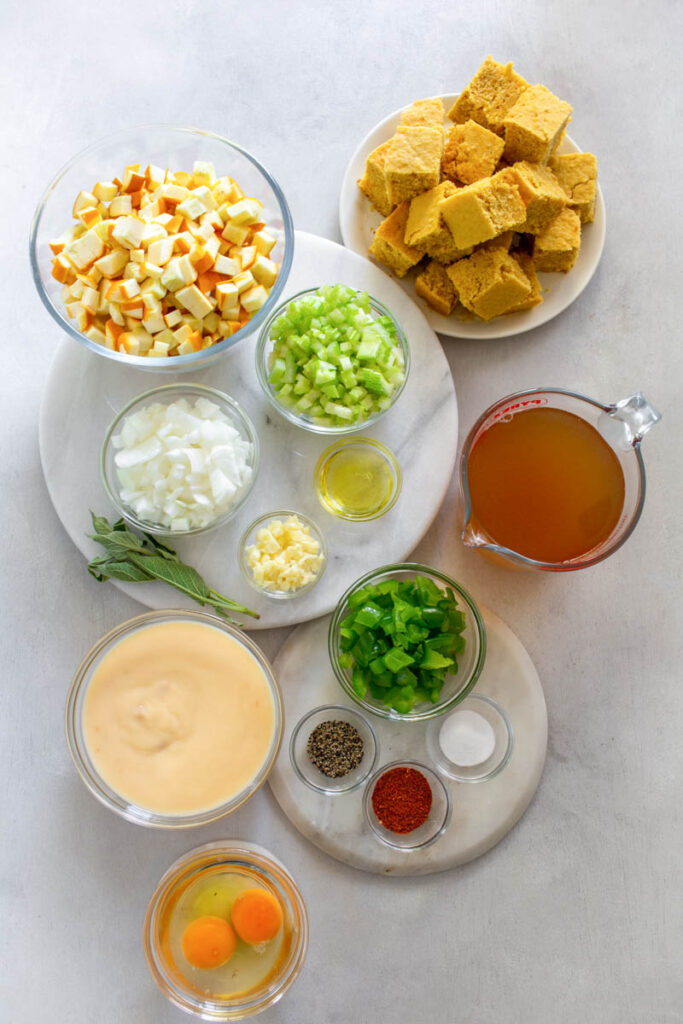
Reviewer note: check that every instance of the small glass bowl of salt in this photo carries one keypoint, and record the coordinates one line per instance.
(474, 742)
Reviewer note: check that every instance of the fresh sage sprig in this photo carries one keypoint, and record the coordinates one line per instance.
(137, 558)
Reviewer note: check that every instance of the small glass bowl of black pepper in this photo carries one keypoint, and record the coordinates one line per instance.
(333, 749)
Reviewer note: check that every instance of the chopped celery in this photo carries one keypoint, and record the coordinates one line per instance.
(373, 381)
(333, 360)
(340, 411)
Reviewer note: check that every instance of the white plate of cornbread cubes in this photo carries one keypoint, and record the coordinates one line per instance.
(480, 205)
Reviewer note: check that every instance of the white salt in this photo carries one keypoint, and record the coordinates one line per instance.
(466, 738)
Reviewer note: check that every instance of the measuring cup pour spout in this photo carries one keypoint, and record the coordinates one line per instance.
(472, 537)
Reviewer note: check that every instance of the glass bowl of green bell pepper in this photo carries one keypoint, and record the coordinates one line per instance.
(407, 642)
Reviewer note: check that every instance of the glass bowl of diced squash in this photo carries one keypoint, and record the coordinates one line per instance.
(406, 642)
(161, 247)
(332, 359)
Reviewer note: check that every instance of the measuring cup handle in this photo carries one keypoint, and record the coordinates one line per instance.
(637, 414)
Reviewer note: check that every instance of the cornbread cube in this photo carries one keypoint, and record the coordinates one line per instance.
(483, 210)
(471, 152)
(426, 228)
(389, 247)
(489, 96)
(577, 173)
(540, 190)
(503, 241)
(557, 246)
(534, 125)
(424, 113)
(424, 216)
(413, 162)
(489, 282)
(436, 288)
(374, 183)
(535, 297)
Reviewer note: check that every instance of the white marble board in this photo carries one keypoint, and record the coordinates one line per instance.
(84, 392)
(483, 812)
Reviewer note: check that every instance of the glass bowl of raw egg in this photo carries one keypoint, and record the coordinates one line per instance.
(226, 931)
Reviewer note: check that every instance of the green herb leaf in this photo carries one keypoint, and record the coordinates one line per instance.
(126, 571)
(180, 576)
(99, 523)
(162, 549)
(136, 559)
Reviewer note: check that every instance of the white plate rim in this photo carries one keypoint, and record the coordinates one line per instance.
(453, 327)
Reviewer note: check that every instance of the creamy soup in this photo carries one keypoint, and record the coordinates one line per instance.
(178, 717)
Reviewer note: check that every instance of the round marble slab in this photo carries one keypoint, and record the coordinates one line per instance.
(483, 812)
(84, 392)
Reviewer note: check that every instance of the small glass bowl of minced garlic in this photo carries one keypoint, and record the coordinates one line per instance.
(282, 554)
(333, 749)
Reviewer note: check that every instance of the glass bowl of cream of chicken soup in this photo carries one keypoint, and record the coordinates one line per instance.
(174, 719)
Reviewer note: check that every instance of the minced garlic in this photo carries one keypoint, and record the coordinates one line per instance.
(285, 556)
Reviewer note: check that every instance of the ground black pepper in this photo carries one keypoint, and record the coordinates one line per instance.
(335, 748)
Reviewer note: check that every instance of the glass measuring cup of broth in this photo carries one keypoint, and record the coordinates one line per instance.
(554, 480)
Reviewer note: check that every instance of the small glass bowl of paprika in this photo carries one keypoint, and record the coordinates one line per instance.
(407, 805)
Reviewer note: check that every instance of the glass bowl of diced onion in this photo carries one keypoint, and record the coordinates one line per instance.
(282, 554)
(308, 408)
(168, 147)
(190, 451)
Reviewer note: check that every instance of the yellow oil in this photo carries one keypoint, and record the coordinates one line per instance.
(356, 482)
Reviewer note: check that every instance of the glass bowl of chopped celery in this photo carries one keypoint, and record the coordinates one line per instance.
(282, 554)
(179, 460)
(407, 642)
(332, 359)
(94, 192)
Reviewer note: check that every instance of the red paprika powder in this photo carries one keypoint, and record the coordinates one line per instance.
(402, 799)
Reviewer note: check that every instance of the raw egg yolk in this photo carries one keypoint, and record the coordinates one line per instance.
(256, 916)
(208, 942)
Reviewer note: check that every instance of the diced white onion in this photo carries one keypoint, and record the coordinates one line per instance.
(181, 466)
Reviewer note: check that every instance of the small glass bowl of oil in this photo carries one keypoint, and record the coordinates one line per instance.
(358, 479)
